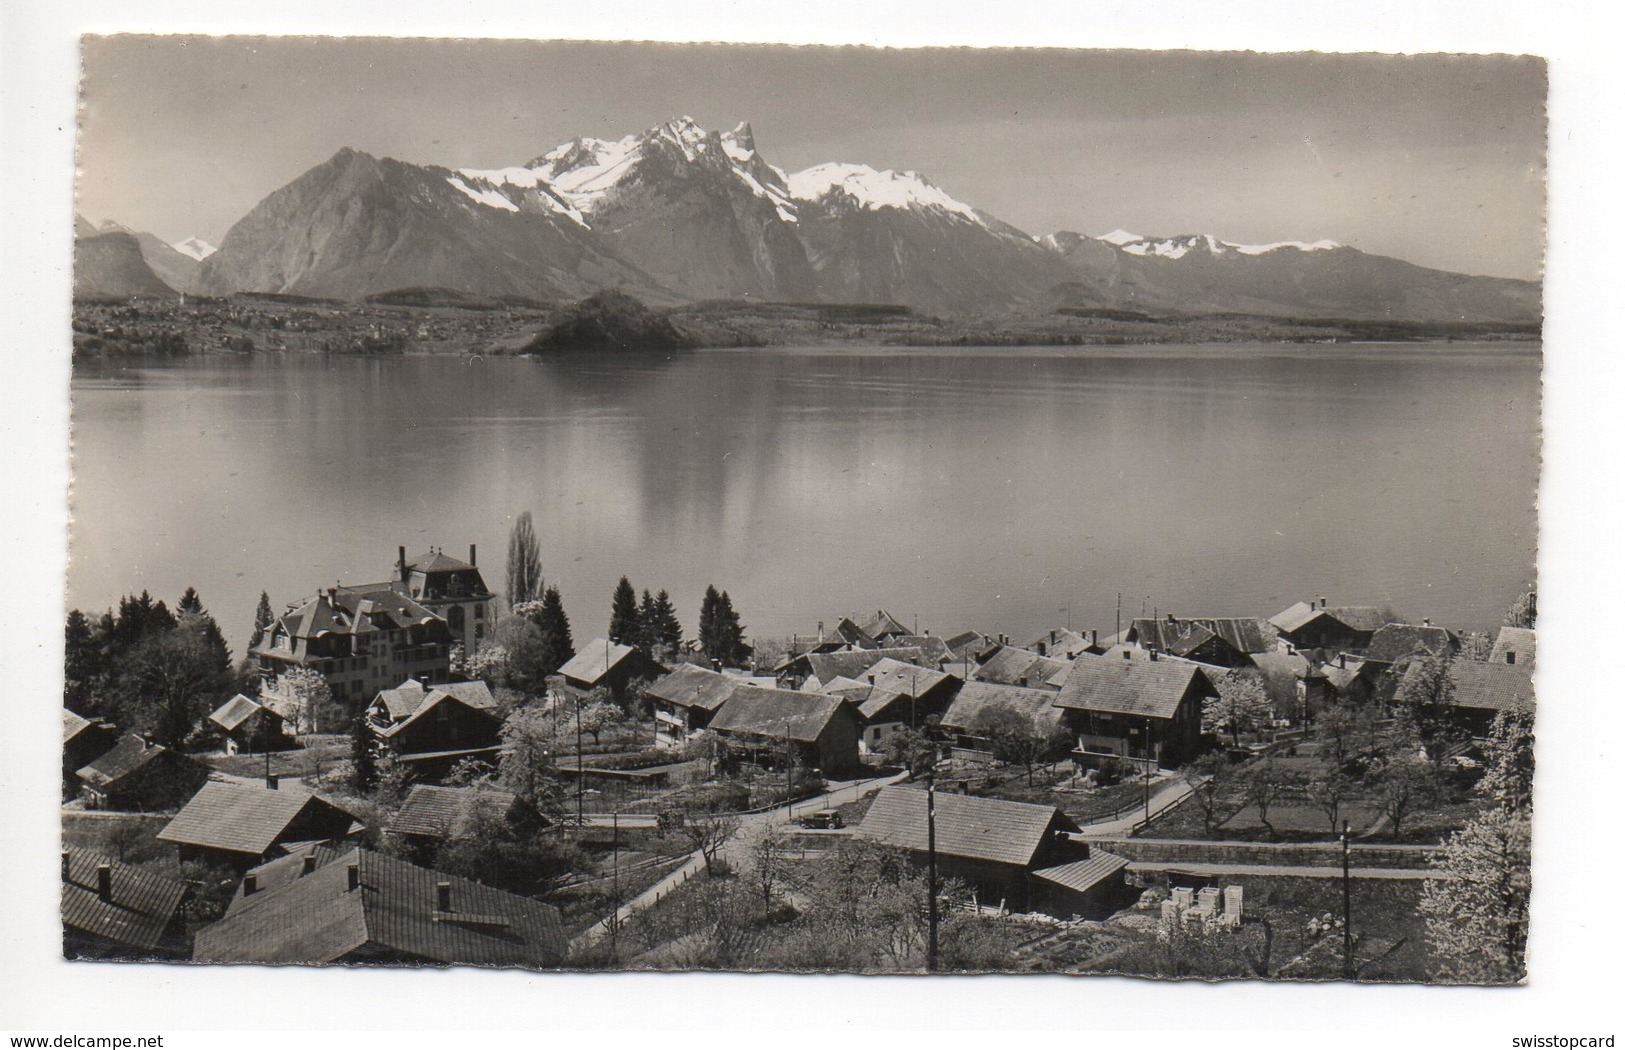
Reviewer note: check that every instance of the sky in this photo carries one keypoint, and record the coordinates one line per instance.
(1439, 160)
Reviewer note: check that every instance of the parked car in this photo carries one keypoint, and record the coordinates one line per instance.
(823, 819)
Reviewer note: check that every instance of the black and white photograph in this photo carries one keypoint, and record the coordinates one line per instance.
(819, 509)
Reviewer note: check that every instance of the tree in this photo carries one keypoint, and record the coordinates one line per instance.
(1214, 787)
(190, 602)
(1015, 737)
(1264, 784)
(524, 562)
(769, 863)
(1404, 785)
(1330, 789)
(664, 630)
(529, 744)
(557, 644)
(263, 619)
(730, 633)
(597, 714)
(304, 699)
(1477, 912)
(1346, 733)
(363, 755)
(84, 671)
(910, 749)
(1427, 700)
(1521, 613)
(172, 678)
(709, 832)
(708, 620)
(624, 627)
(1242, 706)
(1509, 758)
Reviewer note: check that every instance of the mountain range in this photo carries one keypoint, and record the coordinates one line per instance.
(680, 214)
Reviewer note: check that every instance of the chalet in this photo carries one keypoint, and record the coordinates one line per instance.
(845, 635)
(968, 647)
(358, 906)
(1344, 679)
(960, 721)
(1064, 643)
(1135, 705)
(360, 639)
(1312, 625)
(891, 696)
(1020, 667)
(430, 814)
(602, 664)
(83, 741)
(451, 589)
(812, 670)
(137, 774)
(934, 651)
(247, 725)
(1515, 646)
(884, 628)
(1014, 854)
(811, 728)
(239, 825)
(435, 727)
(113, 911)
(1395, 644)
(1481, 691)
(685, 700)
(1221, 641)
(1285, 671)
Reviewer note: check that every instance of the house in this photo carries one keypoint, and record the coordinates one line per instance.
(453, 590)
(968, 648)
(138, 775)
(358, 906)
(1481, 691)
(959, 722)
(891, 696)
(845, 635)
(812, 670)
(883, 627)
(602, 664)
(435, 727)
(685, 700)
(113, 911)
(810, 728)
(1395, 644)
(430, 814)
(1221, 641)
(934, 651)
(1134, 705)
(1343, 679)
(1063, 643)
(1021, 667)
(1285, 671)
(83, 741)
(247, 725)
(1014, 854)
(1514, 645)
(360, 639)
(240, 825)
(1312, 625)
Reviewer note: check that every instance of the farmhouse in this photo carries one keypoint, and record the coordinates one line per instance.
(1012, 666)
(1312, 625)
(83, 741)
(685, 700)
(960, 722)
(434, 727)
(136, 774)
(432, 813)
(240, 825)
(247, 725)
(1223, 641)
(811, 728)
(602, 664)
(1395, 644)
(1135, 705)
(812, 671)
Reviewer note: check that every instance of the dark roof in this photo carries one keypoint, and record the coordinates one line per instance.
(694, 686)
(241, 817)
(777, 713)
(1010, 665)
(1184, 635)
(1355, 617)
(1063, 640)
(435, 811)
(881, 624)
(1143, 687)
(234, 712)
(140, 908)
(411, 696)
(1400, 641)
(285, 869)
(1520, 641)
(128, 756)
(1491, 686)
(1081, 876)
(354, 610)
(436, 561)
(899, 677)
(436, 697)
(594, 660)
(317, 918)
(976, 697)
(851, 663)
(975, 828)
(934, 649)
(876, 701)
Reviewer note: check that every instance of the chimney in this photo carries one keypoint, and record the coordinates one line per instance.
(1128, 654)
(67, 876)
(146, 742)
(820, 630)
(871, 679)
(1094, 638)
(1153, 655)
(355, 874)
(1172, 618)
(104, 881)
(1052, 636)
(1323, 601)
(1343, 661)
(442, 896)
(270, 781)
(1427, 621)
(1022, 681)
(1291, 650)
(309, 864)
(473, 555)
(1041, 651)
(251, 884)
(400, 564)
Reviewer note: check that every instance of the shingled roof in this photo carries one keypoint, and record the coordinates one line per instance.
(988, 829)
(1081, 876)
(434, 811)
(1519, 641)
(230, 715)
(852, 663)
(594, 660)
(1141, 687)
(411, 696)
(1490, 686)
(777, 713)
(899, 677)
(976, 697)
(1395, 642)
(139, 905)
(1184, 635)
(694, 686)
(241, 817)
(128, 756)
(881, 624)
(1355, 617)
(354, 610)
(1011, 665)
(393, 910)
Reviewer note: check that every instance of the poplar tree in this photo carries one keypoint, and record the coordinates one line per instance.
(524, 562)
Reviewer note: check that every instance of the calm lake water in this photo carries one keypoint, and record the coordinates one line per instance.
(995, 489)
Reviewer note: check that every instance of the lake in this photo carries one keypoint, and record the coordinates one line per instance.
(997, 489)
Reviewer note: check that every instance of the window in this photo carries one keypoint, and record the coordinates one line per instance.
(479, 611)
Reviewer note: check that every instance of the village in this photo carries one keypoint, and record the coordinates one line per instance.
(423, 770)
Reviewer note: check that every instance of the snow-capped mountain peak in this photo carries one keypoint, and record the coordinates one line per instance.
(1181, 246)
(196, 247)
(877, 189)
(1119, 237)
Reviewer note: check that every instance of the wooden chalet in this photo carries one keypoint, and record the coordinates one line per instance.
(811, 671)
(138, 775)
(960, 722)
(601, 664)
(113, 911)
(685, 700)
(1396, 644)
(1220, 641)
(1481, 691)
(1343, 679)
(358, 906)
(1313, 625)
(434, 727)
(430, 814)
(1135, 706)
(777, 725)
(242, 824)
(1009, 665)
(1012, 854)
(83, 741)
(245, 724)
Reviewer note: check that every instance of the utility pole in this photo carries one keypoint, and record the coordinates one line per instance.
(1148, 770)
(1119, 612)
(1348, 925)
(931, 959)
(580, 777)
(615, 884)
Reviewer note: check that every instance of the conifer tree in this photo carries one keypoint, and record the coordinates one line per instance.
(648, 640)
(82, 665)
(708, 622)
(663, 625)
(190, 602)
(263, 619)
(363, 759)
(623, 614)
(557, 646)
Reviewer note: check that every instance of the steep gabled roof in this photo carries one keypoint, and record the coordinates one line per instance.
(140, 907)
(881, 624)
(131, 754)
(72, 725)
(1491, 686)
(1140, 687)
(1519, 641)
(594, 660)
(1395, 642)
(987, 829)
(435, 699)
(234, 712)
(777, 713)
(976, 697)
(1355, 617)
(1010, 665)
(852, 663)
(898, 677)
(412, 696)
(694, 686)
(318, 918)
(240, 817)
